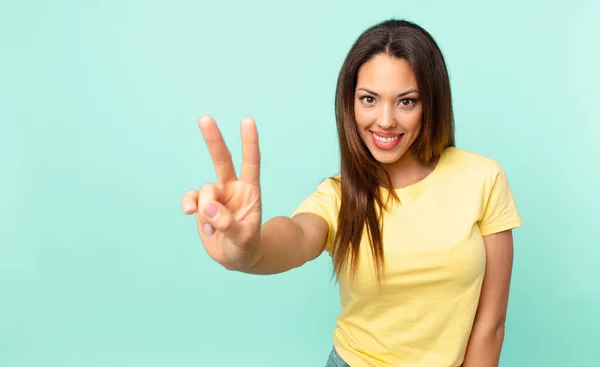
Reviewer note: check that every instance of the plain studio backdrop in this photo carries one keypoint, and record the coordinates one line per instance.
(99, 102)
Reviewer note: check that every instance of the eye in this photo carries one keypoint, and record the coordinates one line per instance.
(407, 102)
(368, 100)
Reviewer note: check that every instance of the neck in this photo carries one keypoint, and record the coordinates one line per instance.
(408, 170)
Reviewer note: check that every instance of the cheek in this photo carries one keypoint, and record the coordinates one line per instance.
(361, 117)
(414, 122)
(415, 128)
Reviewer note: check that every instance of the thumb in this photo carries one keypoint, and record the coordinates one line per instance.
(212, 214)
(217, 215)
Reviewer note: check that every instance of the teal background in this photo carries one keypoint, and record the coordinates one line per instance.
(98, 142)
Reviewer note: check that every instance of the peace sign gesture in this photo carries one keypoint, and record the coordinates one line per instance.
(228, 213)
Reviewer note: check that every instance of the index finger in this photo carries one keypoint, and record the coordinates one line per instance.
(219, 152)
(250, 152)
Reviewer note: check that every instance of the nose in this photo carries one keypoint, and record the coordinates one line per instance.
(386, 119)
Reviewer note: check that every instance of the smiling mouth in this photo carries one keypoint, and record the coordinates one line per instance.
(384, 139)
(386, 142)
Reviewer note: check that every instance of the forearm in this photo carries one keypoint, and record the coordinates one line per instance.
(282, 247)
(485, 345)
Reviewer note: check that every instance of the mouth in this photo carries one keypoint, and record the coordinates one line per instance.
(386, 141)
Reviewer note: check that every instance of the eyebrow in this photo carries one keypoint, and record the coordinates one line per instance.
(399, 95)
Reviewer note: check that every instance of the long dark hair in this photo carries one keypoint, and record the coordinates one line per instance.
(361, 175)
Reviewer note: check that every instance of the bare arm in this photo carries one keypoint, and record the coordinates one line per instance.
(487, 336)
(287, 243)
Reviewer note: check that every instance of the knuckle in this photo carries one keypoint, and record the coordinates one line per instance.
(190, 193)
(206, 188)
(190, 197)
(225, 222)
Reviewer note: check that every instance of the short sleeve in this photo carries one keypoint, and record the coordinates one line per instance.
(500, 212)
(324, 202)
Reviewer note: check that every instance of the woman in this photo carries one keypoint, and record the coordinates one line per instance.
(420, 232)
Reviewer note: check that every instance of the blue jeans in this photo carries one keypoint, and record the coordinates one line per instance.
(335, 360)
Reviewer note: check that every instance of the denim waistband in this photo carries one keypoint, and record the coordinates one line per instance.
(335, 360)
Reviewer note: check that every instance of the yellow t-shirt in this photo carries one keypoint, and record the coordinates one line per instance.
(423, 312)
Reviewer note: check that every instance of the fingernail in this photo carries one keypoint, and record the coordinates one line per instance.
(208, 229)
(247, 121)
(204, 119)
(188, 207)
(211, 210)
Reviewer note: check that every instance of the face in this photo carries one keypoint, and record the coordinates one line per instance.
(387, 108)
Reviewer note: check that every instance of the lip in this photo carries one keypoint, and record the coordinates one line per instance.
(386, 145)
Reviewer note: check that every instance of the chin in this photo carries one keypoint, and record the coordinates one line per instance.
(387, 157)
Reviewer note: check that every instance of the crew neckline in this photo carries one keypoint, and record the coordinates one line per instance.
(413, 190)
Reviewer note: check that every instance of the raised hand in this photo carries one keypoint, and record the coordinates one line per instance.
(228, 213)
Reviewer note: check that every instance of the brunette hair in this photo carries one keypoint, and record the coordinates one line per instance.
(361, 175)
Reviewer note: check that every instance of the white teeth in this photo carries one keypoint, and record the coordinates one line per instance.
(385, 140)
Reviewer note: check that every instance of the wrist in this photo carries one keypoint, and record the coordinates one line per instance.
(252, 259)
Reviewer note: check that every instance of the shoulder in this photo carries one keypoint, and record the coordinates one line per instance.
(469, 159)
(324, 200)
(327, 193)
(470, 172)
(472, 163)
(331, 186)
